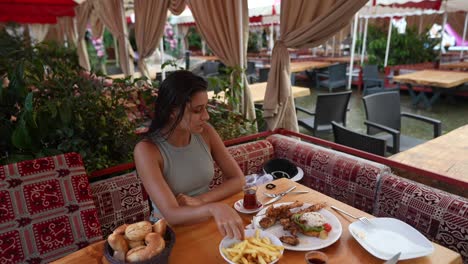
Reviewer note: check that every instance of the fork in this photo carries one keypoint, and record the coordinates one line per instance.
(273, 195)
(363, 219)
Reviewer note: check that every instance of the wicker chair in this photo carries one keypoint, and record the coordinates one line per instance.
(372, 82)
(333, 77)
(363, 142)
(383, 114)
(329, 107)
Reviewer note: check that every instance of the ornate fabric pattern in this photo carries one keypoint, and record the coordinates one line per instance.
(46, 210)
(440, 216)
(349, 179)
(120, 199)
(250, 156)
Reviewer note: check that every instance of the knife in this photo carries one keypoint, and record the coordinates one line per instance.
(279, 196)
(393, 260)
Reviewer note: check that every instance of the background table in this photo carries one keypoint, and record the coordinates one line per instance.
(199, 243)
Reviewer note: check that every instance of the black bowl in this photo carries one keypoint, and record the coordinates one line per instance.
(161, 258)
(280, 168)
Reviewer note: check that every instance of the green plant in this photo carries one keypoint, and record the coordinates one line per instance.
(52, 106)
(193, 39)
(405, 48)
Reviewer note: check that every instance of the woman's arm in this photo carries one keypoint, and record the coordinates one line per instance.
(233, 177)
(148, 161)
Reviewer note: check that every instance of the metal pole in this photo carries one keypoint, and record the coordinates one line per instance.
(353, 47)
(389, 36)
(444, 22)
(125, 39)
(364, 41)
(420, 24)
(334, 46)
(464, 33)
(270, 45)
(161, 47)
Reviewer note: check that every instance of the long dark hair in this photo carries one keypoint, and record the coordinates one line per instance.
(174, 93)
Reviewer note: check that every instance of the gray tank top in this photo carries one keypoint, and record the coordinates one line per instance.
(188, 170)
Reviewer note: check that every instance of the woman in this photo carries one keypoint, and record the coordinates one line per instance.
(175, 160)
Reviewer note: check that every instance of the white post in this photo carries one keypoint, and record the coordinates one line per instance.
(341, 42)
(241, 61)
(161, 47)
(270, 43)
(116, 51)
(364, 41)
(125, 32)
(353, 46)
(389, 36)
(326, 48)
(464, 33)
(444, 22)
(203, 47)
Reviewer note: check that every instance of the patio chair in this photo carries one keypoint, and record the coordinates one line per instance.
(263, 74)
(367, 143)
(210, 68)
(333, 77)
(383, 114)
(251, 72)
(371, 81)
(329, 107)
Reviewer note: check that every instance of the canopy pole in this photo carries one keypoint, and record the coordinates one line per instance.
(389, 36)
(364, 41)
(353, 47)
(270, 43)
(161, 47)
(334, 46)
(420, 24)
(464, 34)
(444, 22)
(341, 42)
(241, 61)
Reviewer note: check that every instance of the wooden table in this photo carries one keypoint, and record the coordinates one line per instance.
(346, 59)
(199, 243)
(446, 155)
(258, 91)
(437, 81)
(300, 66)
(207, 58)
(462, 65)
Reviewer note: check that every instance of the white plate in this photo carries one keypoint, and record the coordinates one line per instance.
(239, 206)
(306, 243)
(298, 177)
(227, 242)
(388, 236)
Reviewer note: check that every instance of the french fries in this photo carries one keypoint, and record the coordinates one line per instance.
(253, 250)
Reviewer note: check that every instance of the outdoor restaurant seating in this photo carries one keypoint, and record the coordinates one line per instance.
(332, 78)
(353, 139)
(363, 184)
(383, 114)
(329, 107)
(371, 81)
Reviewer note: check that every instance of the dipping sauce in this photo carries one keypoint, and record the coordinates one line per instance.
(316, 261)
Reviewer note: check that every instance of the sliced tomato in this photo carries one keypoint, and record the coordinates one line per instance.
(327, 227)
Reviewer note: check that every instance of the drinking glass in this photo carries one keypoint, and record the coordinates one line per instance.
(250, 197)
(316, 257)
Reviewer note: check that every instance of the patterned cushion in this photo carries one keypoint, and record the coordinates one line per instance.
(440, 216)
(120, 199)
(250, 156)
(46, 209)
(347, 178)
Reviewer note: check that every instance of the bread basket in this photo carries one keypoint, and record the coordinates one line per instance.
(162, 258)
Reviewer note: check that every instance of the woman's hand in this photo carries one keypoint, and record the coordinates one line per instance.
(185, 200)
(229, 222)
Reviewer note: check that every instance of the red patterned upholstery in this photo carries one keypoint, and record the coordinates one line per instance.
(46, 209)
(120, 199)
(440, 216)
(250, 156)
(349, 179)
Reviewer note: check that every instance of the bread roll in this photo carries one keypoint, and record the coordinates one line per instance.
(134, 244)
(160, 227)
(138, 231)
(154, 245)
(118, 243)
(121, 229)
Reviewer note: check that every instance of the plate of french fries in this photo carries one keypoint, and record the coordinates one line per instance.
(257, 247)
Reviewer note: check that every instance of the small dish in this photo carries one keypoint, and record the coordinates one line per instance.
(239, 206)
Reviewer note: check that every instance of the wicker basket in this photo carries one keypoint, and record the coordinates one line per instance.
(162, 258)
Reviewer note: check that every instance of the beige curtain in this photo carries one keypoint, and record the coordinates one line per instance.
(217, 21)
(67, 26)
(38, 32)
(304, 24)
(83, 12)
(111, 13)
(97, 27)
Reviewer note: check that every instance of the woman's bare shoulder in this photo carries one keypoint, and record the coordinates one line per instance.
(146, 147)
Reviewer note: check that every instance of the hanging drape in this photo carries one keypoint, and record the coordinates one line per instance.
(67, 26)
(217, 22)
(83, 12)
(111, 13)
(97, 27)
(303, 24)
(38, 31)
